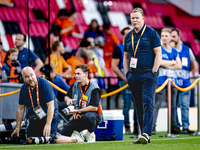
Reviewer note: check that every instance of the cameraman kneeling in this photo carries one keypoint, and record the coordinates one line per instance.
(87, 96)
(42, 111)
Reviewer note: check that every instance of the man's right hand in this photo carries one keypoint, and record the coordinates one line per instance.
(70, 101)
(16, 131)
(125, 81)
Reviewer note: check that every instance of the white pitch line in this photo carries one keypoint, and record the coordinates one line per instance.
(99, 142)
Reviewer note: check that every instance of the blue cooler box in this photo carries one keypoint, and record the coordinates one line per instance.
(111, 128)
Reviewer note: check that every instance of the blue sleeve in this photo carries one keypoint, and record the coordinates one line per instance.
(21, 96)
(33, 56)
(155, 39)
(62, 84)
(3, 67)
(47, 92)
(86, 34)
(7, 71)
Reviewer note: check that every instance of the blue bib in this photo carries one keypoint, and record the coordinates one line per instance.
(183, 75)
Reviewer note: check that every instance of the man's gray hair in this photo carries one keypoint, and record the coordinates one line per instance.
(137, 9)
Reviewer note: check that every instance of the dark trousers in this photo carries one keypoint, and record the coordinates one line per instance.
(35, 128)
(88, 121)
(143, 86)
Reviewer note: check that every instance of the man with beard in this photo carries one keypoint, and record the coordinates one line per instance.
(183, 79)
(37, 96)
(169, 63)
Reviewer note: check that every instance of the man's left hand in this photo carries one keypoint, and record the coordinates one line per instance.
(73, 112)
(47, 130)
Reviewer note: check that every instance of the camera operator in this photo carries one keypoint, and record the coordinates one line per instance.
(88, 115)
(12, 67)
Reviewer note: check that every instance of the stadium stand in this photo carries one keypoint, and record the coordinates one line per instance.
(13, 20)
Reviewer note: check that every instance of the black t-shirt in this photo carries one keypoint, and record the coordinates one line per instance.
(95, 97)
(117, 55)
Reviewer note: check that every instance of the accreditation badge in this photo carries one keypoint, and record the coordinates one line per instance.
(184, 61)
(39, 112)
(85, 98)
(133, 62)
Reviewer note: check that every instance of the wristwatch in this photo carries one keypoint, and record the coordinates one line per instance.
(154, 73)
(79, 111)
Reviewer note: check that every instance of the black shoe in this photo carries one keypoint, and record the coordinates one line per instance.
(136, 132)
(188, 131)
(154, 130)
(176, 130)
(53, 139)
(138, 142)
(127, 131)
(144, 138)
(149, 142)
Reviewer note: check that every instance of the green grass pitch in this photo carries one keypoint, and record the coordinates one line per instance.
(183, 142)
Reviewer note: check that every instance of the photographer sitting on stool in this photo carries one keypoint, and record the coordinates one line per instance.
(88, 115)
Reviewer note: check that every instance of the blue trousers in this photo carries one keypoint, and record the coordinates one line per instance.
(158, 102)
(127, 99)
(143, 86)
(184, 100)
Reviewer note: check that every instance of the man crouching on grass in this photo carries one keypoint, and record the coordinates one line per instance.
(37, 96)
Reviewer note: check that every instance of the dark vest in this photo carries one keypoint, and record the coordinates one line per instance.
(76, 94)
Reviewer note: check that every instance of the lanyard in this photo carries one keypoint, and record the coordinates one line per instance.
(82, 93)
(137, 41)
(31, 94)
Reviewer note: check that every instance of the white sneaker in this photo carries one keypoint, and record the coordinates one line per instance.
(89, 137)
(76, 135)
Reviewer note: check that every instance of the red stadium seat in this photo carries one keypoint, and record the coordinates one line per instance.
(31, 16)
(116, 31)
(44, 27)
(20, 3)
(71, 42)
(2, 16)
(10, 40)
(68, 4)
(52, 15)
(82, 28)
(78, 4)
(8, 13)
(128, 7)
(79, 19)
(195, 46)
(23, 27)
(33, 31)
